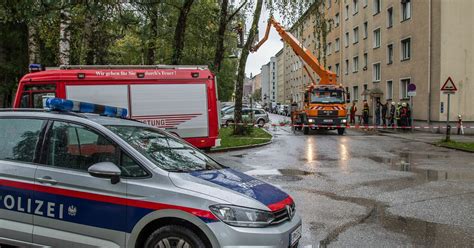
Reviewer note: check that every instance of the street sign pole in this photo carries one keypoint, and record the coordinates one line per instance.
(448, 127)
(411, 113)
(448, 88)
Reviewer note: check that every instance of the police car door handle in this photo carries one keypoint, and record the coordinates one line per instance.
(47, 179)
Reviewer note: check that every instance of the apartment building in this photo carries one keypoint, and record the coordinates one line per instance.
(269, 81)
(385, 45)
(280, 58)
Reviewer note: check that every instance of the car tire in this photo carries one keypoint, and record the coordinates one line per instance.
(261, 123)
(340, 131)
(229, 123)
(172, 235)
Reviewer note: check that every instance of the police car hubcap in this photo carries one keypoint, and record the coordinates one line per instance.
(173, 242)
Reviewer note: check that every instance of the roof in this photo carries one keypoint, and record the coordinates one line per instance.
(72, 116)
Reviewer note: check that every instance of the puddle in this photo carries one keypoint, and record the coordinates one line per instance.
(403, 163)
(295, 172)
(289, 175)
(421, 233)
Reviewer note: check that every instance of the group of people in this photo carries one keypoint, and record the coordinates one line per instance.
(390, 113)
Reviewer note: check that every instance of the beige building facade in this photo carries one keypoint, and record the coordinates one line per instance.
(385, 45)
(280, 58)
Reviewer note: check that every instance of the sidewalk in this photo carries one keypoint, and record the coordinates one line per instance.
(425, 137)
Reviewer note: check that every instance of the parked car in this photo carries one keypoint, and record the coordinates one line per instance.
(260, 117)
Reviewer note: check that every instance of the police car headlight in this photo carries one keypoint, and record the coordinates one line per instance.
(241, 216)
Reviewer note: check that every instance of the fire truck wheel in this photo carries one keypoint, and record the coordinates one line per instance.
(340, 131)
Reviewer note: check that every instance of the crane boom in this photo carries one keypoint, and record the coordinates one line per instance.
(327, 77)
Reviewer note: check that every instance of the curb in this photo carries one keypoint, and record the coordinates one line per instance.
(237, 148)
(454, 148)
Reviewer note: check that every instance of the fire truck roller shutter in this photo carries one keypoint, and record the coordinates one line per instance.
(110, 95)
(180, 108)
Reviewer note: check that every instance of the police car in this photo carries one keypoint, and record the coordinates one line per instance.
(72, 177)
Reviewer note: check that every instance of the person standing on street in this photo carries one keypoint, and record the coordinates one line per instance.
(377, 112)
(365, 113)
(408, 115)
(392, 114)
(397, 114)
(353, 112)
(404, 115)
(384, 113)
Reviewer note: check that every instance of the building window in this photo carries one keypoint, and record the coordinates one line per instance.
(355, 64)
(389, 94)
(390, 17)
(377, 38)
(355, 5)
(356, 35)
(365, 3)
(404, 88)
(337, 45)
(366, 30)
(377, 6)
(365, 92)
(406, 49)
(337, 20)
(346, 40)
(355, 93)
(337, 69)
(406, 10)
(329, 68)
(347, 13)
(329, 4)
(390, 54)
(366, 61)
(376, 73)
(346, 69)
(328, 49)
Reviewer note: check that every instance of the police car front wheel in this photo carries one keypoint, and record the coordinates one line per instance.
(174, 237)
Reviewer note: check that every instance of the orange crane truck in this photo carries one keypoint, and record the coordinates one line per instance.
(324, 104)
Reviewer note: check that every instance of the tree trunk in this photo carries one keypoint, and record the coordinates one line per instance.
(89, 33)
(238, 129)
(219, 55)
(151, 47)
(65, 34)
(33, 45)
(180, 32)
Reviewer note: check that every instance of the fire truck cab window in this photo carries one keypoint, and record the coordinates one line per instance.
(25, 101)
(327, 96)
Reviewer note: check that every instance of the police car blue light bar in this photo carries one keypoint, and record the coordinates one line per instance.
(60, 104)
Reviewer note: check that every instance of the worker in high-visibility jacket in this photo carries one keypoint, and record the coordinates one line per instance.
(397, 114)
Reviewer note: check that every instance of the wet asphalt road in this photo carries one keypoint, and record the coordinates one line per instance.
(365, 190)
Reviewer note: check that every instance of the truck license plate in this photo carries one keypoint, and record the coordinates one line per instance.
(295, 236)
(327, 121)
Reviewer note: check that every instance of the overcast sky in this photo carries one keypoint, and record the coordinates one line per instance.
(268, 49)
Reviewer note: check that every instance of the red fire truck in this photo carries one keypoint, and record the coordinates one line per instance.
(181, 99)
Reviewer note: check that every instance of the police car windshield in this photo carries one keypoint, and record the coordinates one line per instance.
(165, 151)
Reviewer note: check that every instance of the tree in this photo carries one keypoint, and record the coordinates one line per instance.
(65, 34)
(224, 21)
(238, 129)
(180, 32)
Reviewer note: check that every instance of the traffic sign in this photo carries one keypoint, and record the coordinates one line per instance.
(411, 87)
(449, 86)
(411, 93)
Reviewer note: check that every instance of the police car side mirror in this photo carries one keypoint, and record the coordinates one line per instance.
(105, 170)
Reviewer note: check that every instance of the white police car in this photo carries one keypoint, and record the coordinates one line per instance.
(75, 179)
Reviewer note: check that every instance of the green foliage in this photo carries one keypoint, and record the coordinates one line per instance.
(112, 32)
(228, 139)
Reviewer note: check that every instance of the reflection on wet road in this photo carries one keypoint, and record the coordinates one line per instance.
(366, 190)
